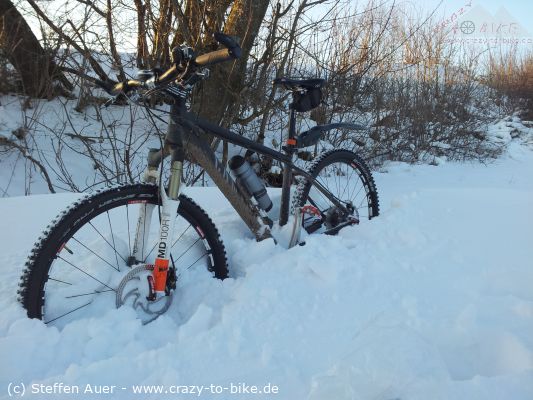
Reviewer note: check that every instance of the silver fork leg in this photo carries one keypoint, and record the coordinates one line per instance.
(168, 213)
(141, 234)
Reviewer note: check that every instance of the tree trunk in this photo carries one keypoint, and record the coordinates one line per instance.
(219, 98)
(35, 66)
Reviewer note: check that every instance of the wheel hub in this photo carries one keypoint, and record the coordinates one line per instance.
(334, 216)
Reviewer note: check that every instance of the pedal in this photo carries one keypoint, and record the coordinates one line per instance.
(312, 224)
(312, 219)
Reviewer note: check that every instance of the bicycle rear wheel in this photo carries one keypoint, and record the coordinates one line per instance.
(77, 265)
(346, 176)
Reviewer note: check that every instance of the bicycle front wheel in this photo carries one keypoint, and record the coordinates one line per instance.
(348, 179)
(77, 266)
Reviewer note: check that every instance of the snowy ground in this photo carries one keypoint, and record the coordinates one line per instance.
(432, 300)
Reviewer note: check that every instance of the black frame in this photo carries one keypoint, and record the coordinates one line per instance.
(183, 137)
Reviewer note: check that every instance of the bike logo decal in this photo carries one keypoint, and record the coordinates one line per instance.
(161, 249)
(160, 274)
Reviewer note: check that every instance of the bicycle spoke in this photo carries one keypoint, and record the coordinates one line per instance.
(144, 231)
(105, 240)
(357, 194)
(321, 194)
(360, 204)
(113, 239)
(186, 229)
(67, 313)
(88, 294)
(150, 252)
(86, 273)
(359, 191)
(198, 259)
(348, 180)
(128, 221)
(338, 175)
(58, 280)
(188, 248)
(101, 258)
(328, 203)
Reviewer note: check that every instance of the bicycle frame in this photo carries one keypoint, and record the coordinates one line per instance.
(184, 137)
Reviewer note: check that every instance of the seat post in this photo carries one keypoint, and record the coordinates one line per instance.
(292, 123)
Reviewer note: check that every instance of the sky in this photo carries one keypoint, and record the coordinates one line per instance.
(520, 11)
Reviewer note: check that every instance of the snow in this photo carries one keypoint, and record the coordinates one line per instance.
(432, 300)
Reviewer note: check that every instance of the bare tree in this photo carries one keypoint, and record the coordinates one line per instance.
(35, 65)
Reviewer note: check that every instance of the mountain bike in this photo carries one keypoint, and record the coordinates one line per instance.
(141, 244)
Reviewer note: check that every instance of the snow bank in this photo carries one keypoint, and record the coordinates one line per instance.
(432, 300)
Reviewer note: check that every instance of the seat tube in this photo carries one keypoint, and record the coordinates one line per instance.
(287, 171)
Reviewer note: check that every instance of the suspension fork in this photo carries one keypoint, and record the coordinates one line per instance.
(170, 204)
(144, 219)
(169, 208)
(166, 232)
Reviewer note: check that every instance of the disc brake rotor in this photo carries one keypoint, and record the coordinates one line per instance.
(133, 290)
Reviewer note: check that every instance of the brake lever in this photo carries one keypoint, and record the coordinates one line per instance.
(204, 73)
(111, 101)
(196, 77)
(122, 98)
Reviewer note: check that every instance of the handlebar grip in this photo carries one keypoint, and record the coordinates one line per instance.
(123, 87)
(218, 56)
(226, 40)
(168, 75)
(117, 89)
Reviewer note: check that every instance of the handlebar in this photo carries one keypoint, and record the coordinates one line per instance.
(214, 57)
(123, 87)
(231, 52)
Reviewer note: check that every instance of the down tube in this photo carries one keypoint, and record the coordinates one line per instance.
(203, 155)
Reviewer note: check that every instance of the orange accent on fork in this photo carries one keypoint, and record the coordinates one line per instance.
(160, 274)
